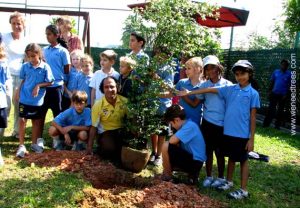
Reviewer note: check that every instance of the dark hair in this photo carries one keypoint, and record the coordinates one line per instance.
(174, 111)
(101, 87)
(79, 97)
(139, 38)
(285, 61)
(54, 29)
(250, 70)
(35, 48)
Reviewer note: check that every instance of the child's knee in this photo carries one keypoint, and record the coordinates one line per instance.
(82, 135)
(53, 131)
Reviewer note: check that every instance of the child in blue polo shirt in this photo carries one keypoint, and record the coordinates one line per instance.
(213, 119)
(185, 149)
(241, 103)
(5, 78)
(71, 78)
(36, 75)
(70, 128)
(84, 78)
(190, 103)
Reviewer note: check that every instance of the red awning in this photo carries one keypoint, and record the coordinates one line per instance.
(229, 17)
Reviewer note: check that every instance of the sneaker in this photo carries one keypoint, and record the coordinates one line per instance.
(21, 151)
(80, 146)
(225, 186)
(238, 194)
(218, 182)
(207, 182)
(40, 142)
(152, 157)
(157, 161)
(36, 148)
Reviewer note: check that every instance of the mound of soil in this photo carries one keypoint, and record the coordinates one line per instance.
(117, 187)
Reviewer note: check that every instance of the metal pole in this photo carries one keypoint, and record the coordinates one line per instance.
(297, 40)
(79, 8)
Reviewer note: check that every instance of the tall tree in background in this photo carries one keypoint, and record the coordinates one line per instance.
(292, 13)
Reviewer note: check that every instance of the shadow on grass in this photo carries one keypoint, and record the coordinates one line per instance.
(269, 186)
(272, 133)
(56, 189)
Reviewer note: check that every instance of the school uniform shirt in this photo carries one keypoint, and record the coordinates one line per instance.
(213, 104)
(282, 81)
(57, 57)
(71, 117)
(71, 79)
(194, 113)
(191, 140)
(14, 49)
(82, 84)
(97, 79)
(4, 78)
(125, 85)
(239, 102)
(33, 76)
(141, 55)
(109, 117)
(166, 74)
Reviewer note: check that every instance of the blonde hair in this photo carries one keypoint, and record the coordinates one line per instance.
(195, 62)
(77, 53)
(110, 54)
(17, 14)
(128, 61)
(87, 58)
(67, 22)
(2, 52)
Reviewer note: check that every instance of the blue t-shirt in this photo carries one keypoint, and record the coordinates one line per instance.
(194, 113)
(82, 83)
(213, 104)
(282, 81)
(239, 102)
(71, 79)
(166, 74)
(57, 57)
(191, 140)
(71, 118)
(33, 76)
(4, 76)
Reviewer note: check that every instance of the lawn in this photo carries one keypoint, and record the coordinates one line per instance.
(273, 184)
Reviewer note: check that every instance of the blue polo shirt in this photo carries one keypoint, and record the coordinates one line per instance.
(33, 76)
(166, 74)
(239, 102)
(82, 84)
(4, 76)
(191, 140)
(282, 81)
(213, 104)
(71, 78)
(194, 114)
(70, 117)
(57, 57)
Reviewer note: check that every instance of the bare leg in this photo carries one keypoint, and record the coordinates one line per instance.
(35, 130)
(221, 165)
(161, 140)
(22, 126)
(244, 174)
(230, 169)
(154, 140)
(209, 163)
(166, 160)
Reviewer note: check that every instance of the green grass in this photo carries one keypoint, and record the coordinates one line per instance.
(273, 184)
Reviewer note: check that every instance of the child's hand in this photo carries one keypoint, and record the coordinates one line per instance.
(183, 92)
(35, 91)
(66, 129)
(67, 139)
(250, 145)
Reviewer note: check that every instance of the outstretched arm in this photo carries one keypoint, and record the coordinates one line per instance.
(198, 91)
(250, 143)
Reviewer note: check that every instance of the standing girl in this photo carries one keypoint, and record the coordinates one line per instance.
(241, 103)
(36, 75)
(213, 119)
(58, 59)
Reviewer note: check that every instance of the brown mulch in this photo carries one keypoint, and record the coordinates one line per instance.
(117, 187)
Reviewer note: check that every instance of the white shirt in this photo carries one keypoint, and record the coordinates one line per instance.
(15, 51)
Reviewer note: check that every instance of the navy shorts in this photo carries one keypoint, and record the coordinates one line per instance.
(53, 100)
(181, 159)
(213, 136)
(3, 118)
(29, 111)
(235, 148)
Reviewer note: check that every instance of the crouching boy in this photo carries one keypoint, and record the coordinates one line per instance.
(69, 129)
(186, 148)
